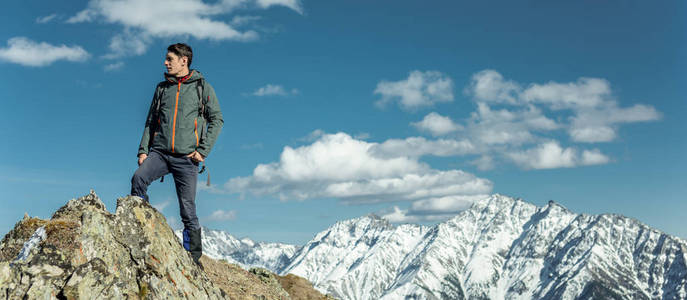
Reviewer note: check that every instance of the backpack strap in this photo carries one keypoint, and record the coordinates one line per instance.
(202, 101)
(200, 86)
(159, 91)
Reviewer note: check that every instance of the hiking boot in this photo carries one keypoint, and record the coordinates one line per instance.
(193, 244)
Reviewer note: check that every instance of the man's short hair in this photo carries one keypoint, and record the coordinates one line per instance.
(181, 49)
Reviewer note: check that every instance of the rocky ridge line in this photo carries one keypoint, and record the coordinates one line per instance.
(85, 252)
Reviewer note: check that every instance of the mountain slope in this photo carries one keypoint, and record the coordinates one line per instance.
(499, 248)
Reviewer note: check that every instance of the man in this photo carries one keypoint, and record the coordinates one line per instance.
(175, 140)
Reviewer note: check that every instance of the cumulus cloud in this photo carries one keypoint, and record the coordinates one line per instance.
(128, 43)
(23, 51)
(586, 92)
(339, 166)
(419, 146)
(551, 155)
(596, 115)
(494, 127)
(418, 90)
(594, 157)
(591, 134)
(489, 86)
(600, 124)
(437, 124)
(274, 90)
(509, 119)
(431, 209)
(150, 19)
(221, 215)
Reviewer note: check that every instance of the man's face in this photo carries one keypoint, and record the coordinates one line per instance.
(175, 65)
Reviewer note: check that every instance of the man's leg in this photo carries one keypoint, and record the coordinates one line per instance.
(185, 173)
(152, 168)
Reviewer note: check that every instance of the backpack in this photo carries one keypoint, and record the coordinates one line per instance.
(200, 86)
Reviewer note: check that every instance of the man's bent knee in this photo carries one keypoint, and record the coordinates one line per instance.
(139, 186)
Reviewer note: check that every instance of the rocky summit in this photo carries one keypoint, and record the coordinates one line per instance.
(85, 252)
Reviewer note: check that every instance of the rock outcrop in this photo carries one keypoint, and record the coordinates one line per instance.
(86, 252)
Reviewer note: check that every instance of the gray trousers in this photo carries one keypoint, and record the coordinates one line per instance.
(185, 173)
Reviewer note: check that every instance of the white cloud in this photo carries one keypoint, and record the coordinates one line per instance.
(601, 124)
(637, 113)
(444, 205)
(484, 163)
(437, 124)
(339, 166)
(509, 119)
(128, 43)
(409, 187)
(397, 215)
(432, 209)
(149, 19)
(46, 19)
(114, 66)
(238, 21)
(274, 90)
(586, 92)
(551, 155)
(489, 86)
(362, 136)
(312, 136)
(594, 157)
(596, 115)
(418, 90)
(419, 146)
(23, 51)
(592, 134)
(505, 127)
(85, 15)
(221, 215)
(292, 4)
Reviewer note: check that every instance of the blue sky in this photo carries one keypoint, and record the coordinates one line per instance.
(336, 109)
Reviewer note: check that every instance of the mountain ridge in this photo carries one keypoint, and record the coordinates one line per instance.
(499, 248)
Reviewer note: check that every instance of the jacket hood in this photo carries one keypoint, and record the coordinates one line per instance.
(192, 76)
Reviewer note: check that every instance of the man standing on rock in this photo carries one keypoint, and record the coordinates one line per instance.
(183, 123)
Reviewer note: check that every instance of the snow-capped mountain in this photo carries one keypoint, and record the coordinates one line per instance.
(244, 252)
(356, 259)
(500, 248)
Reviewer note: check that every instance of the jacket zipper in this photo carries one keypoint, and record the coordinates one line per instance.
(195, 130)
(174, 123)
